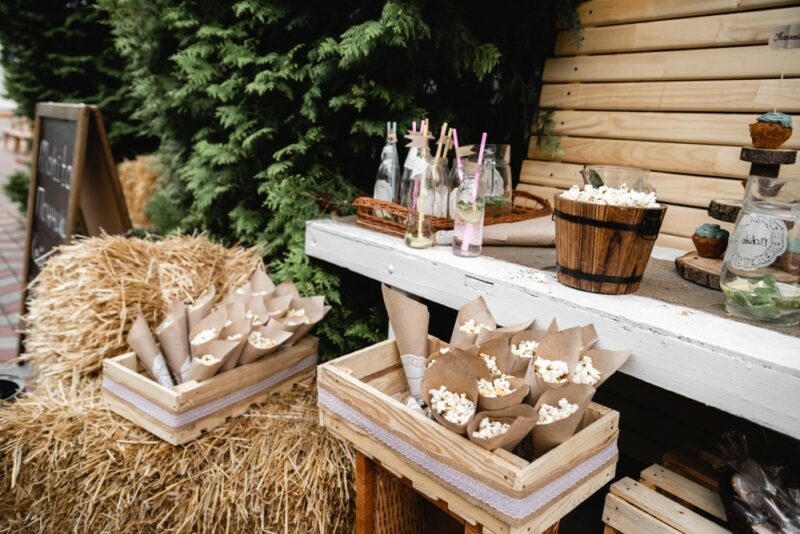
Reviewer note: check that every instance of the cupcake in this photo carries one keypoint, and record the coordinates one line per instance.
(710, 240)
(771, 130)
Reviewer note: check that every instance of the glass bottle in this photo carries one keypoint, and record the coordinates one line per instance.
(407, 195)
(453, 181)
(440, 190)
(387, 180)
(761, 270)
(419, 200)
(470, 208)
(497, 181)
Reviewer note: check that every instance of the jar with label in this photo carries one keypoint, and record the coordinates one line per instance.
(496, 174)
(759, 274)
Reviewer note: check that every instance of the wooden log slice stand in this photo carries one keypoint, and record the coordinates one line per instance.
(763, 162)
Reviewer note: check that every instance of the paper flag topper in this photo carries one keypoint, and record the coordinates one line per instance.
(417, 140)
(465, 151)
(785, 37)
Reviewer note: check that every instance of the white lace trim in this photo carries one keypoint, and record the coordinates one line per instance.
(515, 508)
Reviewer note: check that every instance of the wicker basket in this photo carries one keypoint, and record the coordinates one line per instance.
(395, 224)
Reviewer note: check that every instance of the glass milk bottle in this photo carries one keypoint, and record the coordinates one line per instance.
(453, 181)
(419, 200)
(470, 207)
(387, 180)
(440, 188)
(761, 271)
(497, 180)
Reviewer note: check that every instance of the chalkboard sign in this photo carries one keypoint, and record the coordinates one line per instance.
(74, 183)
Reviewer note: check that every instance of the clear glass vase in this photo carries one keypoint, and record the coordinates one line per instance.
(419, 201)
(496, 175)
(470, 209)
(761, 271)
(387, 179)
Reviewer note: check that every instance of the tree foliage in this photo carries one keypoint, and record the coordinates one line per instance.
(270, 112)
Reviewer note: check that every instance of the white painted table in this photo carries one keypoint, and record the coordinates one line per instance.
(742, 369)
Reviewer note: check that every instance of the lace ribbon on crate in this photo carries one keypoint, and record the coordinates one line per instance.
(190, 416)
(516, 508)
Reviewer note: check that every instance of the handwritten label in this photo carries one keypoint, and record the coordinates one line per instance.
(758, 241)
(785, 37)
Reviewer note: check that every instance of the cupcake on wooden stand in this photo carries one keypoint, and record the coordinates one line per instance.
(710, 240)
(771, 130)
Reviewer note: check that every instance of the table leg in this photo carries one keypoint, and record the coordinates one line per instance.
(365, 494)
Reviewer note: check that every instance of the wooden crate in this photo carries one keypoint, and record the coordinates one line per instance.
(680, 499)
(361, 401)
(188, 410)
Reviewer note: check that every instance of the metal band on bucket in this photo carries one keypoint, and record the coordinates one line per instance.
(601, 278)
(647, 229)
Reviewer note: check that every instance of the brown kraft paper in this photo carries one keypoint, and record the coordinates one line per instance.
(409, 321)
(214, 321)
(564, 345)
(211, 360)
(546, 437)
(141, 341)
(256, 311)
(478, 311)
(242, 292)
(517, 396)
(522, 419)
(173, 335)
(201, 307)
(469, 362)
(278, 306)
(315, 309)
(261, 284)
(236, 311)
(286, 288)
(272, 331)
(607, 362)
(240, 328)
(453, 377)
(505, 332)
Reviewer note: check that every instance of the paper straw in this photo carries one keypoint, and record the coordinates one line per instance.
(455, 145)
(414, 126)
(468, 230)
(447, 145)
(439, 146)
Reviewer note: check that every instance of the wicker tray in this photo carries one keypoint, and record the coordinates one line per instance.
(395, 224)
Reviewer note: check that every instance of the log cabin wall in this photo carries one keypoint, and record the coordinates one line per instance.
(670, 86)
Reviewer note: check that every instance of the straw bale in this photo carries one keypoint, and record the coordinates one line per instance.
(84, 301)
(139, 180)
(67, 464)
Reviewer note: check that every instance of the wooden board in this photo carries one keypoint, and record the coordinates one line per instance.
(751, 96)
(732, 29)
(699, 128)
(711, 160)
(603, 12)
(701, 64)
(703, 271)
(724, 210)
(684, 489)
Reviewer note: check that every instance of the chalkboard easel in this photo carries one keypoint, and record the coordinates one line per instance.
(74, 184)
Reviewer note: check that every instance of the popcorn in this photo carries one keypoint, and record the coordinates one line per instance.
(470, 327)
(255, 320)
(551, 371)
(538, 277)
(260, 294)
(585, 372)
(550, 414)
(204, 336)
(234, 337)
(489, 429)
(611, 197)
(444, 350)
(526, 349)
(491, 363)
(298, 312)
(259, 341)
(431, 363)
(299, 316)
(228, 322)
(454, 407)
(498, 387)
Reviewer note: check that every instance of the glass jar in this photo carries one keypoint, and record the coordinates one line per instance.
(761, 271)
(419, 201)
(387, 180)
(470, 208)
(496, 175)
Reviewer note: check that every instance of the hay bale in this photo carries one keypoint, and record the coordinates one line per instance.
(139, 180)
(84, 301)
(69, 464)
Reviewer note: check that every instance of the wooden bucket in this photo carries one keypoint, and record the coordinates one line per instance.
(604, 249)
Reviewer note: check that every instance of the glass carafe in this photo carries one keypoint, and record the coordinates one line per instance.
(470, 209)
(420, 197)
(761, 271)
(387, 180)
(496, 176)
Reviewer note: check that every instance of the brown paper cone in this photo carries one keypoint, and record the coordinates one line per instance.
(468, 362)
(235, 311)
(256, 311)
(409, 320)
(476, 310)
(607, 362)
(242, 292)
(454, 378)
(315, 311)
(242, 328)
(213, 358)
(517, 396)
(588, 337)
(522, 419)
(506, 332)
(214, 321)
(261, 284)
(200, 308)
(278, 306)
(546, 437)
(564, 345)
(286, 288)
(251, 353)
(141, 341)
(173, 336)
(498, 348)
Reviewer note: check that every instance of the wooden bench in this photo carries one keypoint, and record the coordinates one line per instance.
(669, 86)
(679, 496)
(18, 133)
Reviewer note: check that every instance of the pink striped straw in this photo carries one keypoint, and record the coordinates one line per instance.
(414, 126)
(455, 143)
(468, 230)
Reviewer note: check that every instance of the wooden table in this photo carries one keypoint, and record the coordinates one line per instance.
(743, 369)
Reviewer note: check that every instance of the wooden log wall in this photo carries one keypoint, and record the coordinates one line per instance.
(670, 86)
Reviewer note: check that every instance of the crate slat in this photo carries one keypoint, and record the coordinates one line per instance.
(628, 519)
(684, 489)
(602, 12)
(751, 96)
